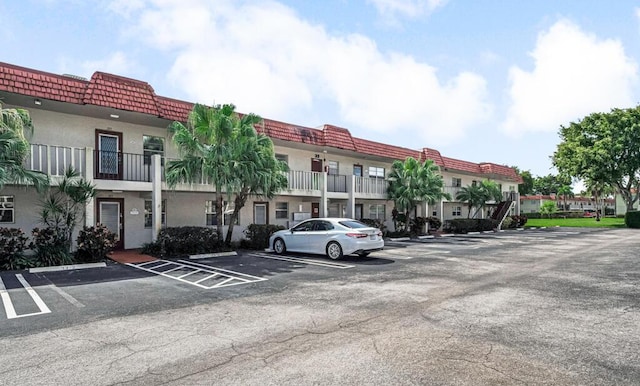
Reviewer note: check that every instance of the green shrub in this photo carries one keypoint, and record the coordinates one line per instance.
(258, 235)
(434, 223)
(416, 225)
(516, 222)
(400, 233)
(152, 249)
(94, 243)
(50, 246)
(188, 240)
(632, 219)
(13, 244)
(508, 223)
(469, 225)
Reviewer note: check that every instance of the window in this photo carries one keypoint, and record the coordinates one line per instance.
(283, 158)
(6, 209)
(152, 145)
(148, 213)
(376, 172)
(333, 167)
(474, 183)
(512, 188)
(212, 218)
(456, 182)
(434, 213)
(282, 210)
(457, 211)
(376, 211)
(357, 170)
(260, 213)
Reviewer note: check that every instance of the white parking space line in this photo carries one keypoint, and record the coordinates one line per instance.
(6, 301)
(199, 273)
(303, 261)
(8, 305)
(65, 295)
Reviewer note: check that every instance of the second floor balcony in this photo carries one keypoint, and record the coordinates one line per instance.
(112, 166)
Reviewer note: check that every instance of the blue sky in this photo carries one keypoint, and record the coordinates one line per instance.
(479, 80)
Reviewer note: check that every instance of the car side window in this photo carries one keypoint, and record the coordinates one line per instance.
(323, 226)
(305, 226)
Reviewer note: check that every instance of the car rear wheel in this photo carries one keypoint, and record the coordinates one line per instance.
(363, 254)
(279, 246)
(334, 250)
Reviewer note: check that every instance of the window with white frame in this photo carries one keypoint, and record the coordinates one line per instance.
(457, 211)
(211, 215)
(152, 145)
(456, 182)
(377, 211)
(376, 172)
(512, 188)
(333, 168)
(282, 210)
(7, 209)
(148, 213)
(260, 213)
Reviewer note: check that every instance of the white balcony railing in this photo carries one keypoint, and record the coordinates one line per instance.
(301, 180)
(54, 160)
(368, 185)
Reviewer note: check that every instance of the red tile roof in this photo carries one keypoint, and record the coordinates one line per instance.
(128, 94)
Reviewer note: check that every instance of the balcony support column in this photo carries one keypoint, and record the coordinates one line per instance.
(156, 196)
(351, 200)
(89, 210)
(323, 195)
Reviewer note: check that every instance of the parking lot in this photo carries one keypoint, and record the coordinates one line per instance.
(538, 306)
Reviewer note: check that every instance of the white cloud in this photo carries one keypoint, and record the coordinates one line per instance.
(574, 74)
(116, 63)
(265, 59)
(406, 8)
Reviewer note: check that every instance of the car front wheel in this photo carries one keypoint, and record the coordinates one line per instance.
(334, 250)
(279, 246)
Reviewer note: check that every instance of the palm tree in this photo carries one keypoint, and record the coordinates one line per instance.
(222, 148)
(490, 192)
(14, 150)
(411, 182)
(255, 168)
(473, 195)
(565, 191)
(597, 189)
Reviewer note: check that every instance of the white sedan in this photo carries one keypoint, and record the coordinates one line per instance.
(334, 237)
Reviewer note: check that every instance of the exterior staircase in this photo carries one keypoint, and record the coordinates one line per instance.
(504, 208)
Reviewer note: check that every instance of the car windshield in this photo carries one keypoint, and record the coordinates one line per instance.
(353, 224)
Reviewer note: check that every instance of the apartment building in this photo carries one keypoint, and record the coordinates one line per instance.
(113, 130)
(532, 203)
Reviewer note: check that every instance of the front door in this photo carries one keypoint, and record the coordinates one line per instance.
(111, 215)
(108, 160)
(315, 209)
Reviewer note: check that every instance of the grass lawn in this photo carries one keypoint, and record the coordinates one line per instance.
(605, 222)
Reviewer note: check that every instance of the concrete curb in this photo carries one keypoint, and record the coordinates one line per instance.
(67, 267)
(208, 255)
(400, 239)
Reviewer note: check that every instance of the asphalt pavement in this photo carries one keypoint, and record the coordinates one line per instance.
(548, 306)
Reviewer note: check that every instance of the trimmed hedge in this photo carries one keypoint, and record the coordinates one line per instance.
(470, 225)
(181, 241)
(258, 235)
(632, 219)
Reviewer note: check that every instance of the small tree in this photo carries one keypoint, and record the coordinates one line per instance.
(64, 205)
(473, 195)
(548, 208)
(412, 182)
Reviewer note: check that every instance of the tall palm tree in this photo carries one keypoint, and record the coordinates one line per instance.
(411, 182)
(14, 150)
(473, 195)
(221, 147)
(490, 191)
(565, 191)
(255, 168)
